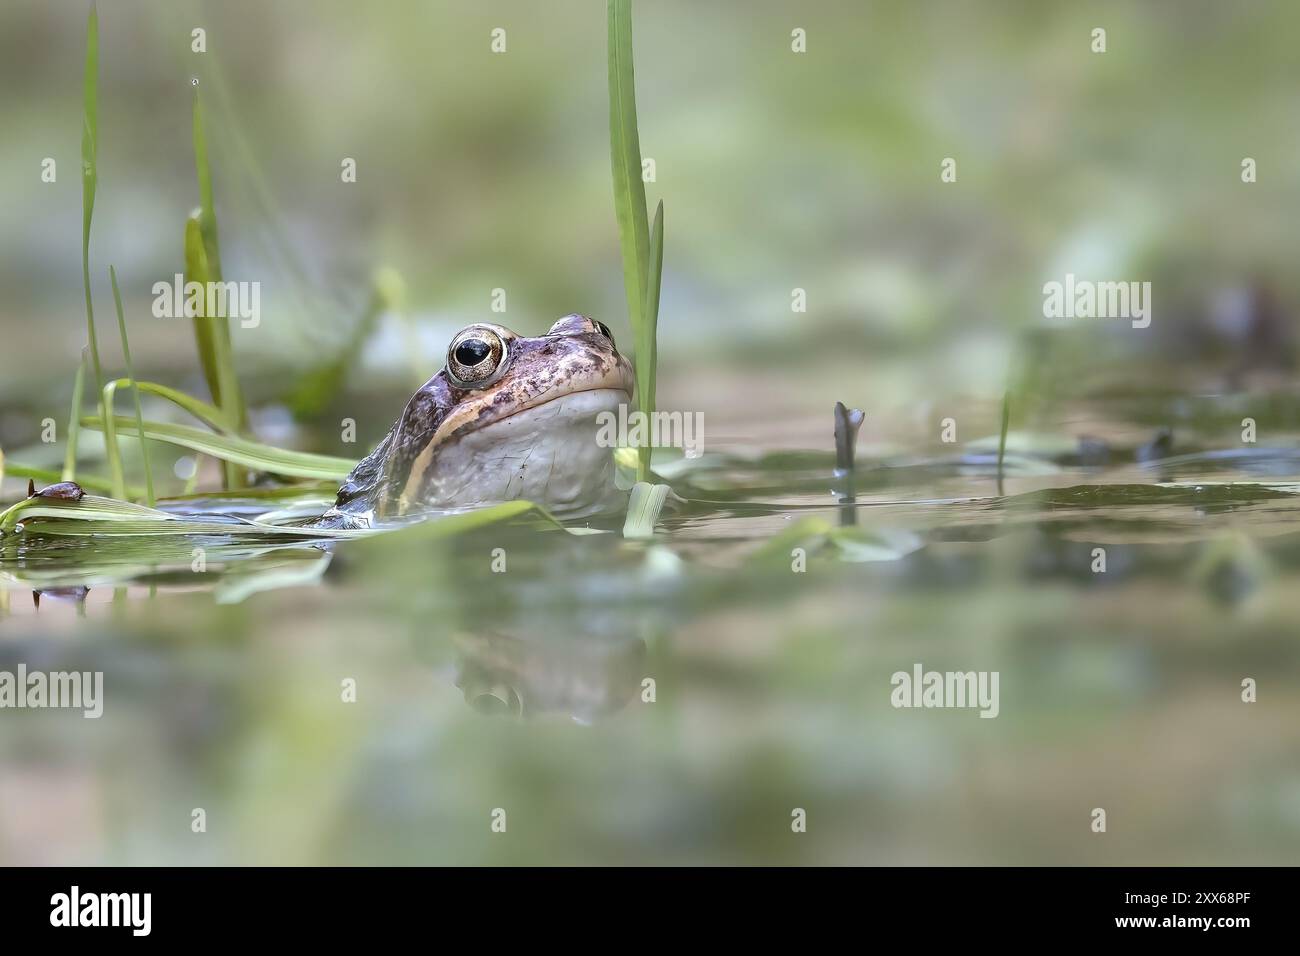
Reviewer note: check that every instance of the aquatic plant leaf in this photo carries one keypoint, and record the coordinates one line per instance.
(643, 507)
(87, 508)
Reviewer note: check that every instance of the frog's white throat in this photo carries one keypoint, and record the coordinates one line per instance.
(547, 454)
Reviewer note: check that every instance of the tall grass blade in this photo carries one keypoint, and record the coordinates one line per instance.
(625, 156)
(642, 250)
(212, 332)
(74, 422)
(207, 207)
(90, 176)
(197, 270)
(135, 391)
(647, 346)
(232, 400)
(213, 346)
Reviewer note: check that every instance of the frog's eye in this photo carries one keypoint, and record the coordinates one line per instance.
(604, 330)
(475, 357)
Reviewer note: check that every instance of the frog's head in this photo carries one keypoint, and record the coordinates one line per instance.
(508, 417)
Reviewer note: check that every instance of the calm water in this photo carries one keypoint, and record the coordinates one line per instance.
(526, 689)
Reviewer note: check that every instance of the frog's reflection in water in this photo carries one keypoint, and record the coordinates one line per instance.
(531, 673)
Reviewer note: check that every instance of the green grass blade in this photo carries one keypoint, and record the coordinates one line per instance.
(212, 332)
(210, 415)
(240, 451)
(201, 410)
(213, 346)
(112, 453)
(90, 176)
(647, 347)
(74, 422)
(135, 391)
(196, 270)
(625, 157)
(232, 402)
(207, 206)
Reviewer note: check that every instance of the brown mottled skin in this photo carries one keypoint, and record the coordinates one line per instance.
(575, 355)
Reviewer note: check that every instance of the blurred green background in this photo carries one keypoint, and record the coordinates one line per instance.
(779, 171)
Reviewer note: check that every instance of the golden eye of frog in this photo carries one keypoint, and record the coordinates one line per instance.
(506, 418)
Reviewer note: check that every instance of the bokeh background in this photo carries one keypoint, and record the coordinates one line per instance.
(779, 171)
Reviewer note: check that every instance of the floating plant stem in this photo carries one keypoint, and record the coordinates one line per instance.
(847, 423)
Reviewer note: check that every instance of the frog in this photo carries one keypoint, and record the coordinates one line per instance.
(507, 417)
